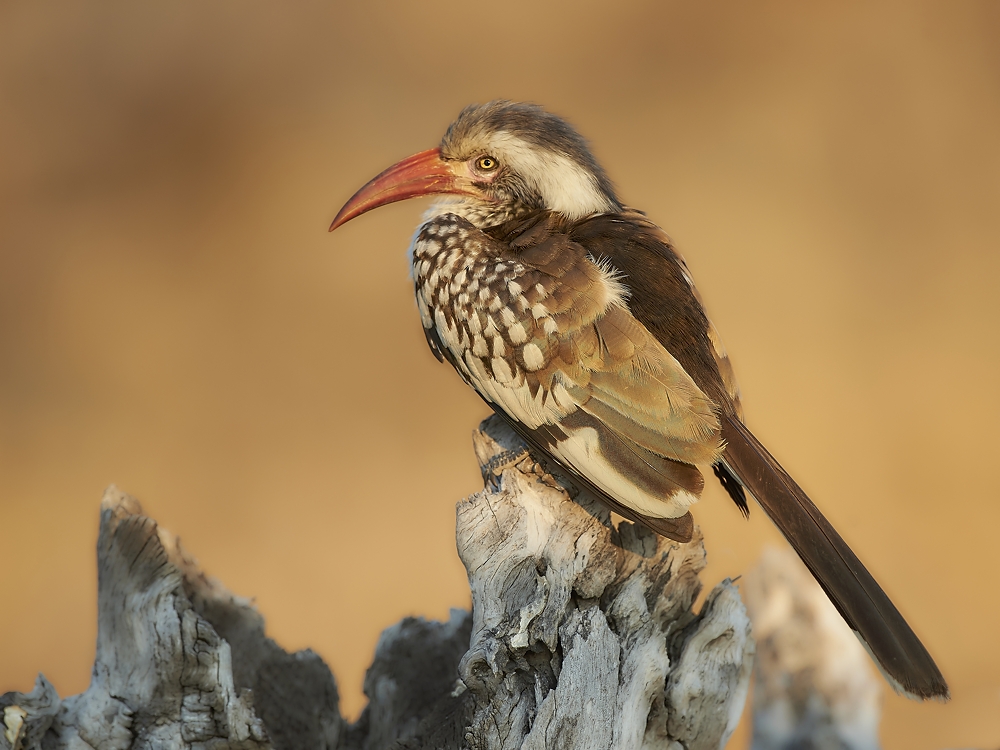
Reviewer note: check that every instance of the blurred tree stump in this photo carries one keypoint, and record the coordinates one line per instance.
(582, 636)
(814, 686)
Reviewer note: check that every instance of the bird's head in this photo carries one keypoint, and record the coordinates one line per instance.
(497, 160)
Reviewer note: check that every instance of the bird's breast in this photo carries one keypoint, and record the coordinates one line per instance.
(495, 316)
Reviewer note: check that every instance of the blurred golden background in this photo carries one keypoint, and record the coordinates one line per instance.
(174, 317)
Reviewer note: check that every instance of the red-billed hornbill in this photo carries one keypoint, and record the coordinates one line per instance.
(575, 318)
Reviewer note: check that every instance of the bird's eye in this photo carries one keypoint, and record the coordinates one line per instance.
(486, 163)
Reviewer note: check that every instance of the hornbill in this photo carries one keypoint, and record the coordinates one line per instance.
(577, 321)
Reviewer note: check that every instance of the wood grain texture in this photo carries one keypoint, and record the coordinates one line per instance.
(582, 635)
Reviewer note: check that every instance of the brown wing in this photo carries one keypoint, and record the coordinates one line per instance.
(664, 298)
(666, 301)
(663, 302)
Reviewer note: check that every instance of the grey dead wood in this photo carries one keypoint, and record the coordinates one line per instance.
(583, 635)
(814, 686)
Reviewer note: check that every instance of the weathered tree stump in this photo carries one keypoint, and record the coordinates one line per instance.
(582, 635)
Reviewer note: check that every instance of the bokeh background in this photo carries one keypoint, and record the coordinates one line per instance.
(174, 317)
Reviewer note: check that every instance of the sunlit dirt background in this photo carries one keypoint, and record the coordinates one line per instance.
(175, 318)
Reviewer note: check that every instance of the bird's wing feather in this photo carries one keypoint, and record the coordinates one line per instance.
(639, 422)
(663, 297)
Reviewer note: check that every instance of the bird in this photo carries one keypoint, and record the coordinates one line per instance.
(575, 318)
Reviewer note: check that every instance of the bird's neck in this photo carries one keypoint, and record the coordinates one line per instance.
(480, 214)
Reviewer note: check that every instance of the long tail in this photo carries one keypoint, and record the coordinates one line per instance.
(898, 652)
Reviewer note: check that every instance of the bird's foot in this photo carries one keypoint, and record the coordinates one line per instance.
(522, 459)
(497, 465)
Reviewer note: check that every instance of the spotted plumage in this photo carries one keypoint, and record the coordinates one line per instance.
(575, 318)
(542, 331)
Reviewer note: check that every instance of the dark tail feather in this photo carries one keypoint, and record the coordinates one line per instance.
(732, 485)
(898, 652)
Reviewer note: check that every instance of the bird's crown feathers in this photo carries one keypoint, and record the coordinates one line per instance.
(546, 161)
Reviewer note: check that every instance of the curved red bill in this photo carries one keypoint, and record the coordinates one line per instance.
(425, 173)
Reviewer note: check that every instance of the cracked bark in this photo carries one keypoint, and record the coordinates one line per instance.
(582, 636)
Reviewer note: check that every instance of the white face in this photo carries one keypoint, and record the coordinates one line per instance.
(564, 185)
